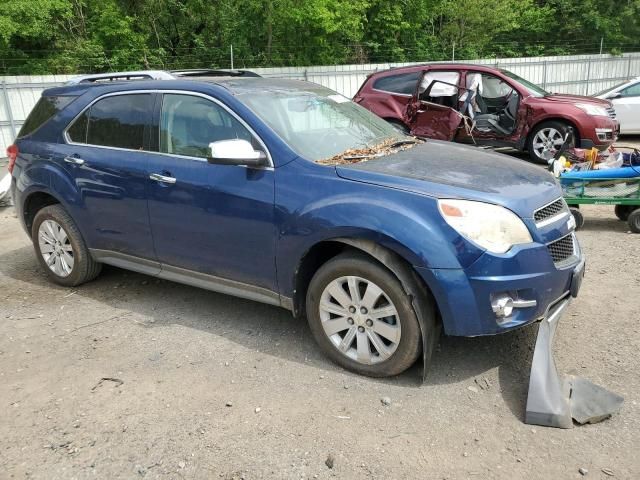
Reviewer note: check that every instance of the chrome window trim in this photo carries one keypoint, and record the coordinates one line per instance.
(556, 218)
(68, 141)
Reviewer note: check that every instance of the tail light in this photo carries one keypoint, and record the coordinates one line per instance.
(12, 153)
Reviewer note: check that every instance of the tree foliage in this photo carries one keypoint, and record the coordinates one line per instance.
(60, 36)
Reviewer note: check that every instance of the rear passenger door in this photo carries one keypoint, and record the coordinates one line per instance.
(106, 157)
(433, 110)
(211, 223)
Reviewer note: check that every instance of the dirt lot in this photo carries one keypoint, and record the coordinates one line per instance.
(130, 377)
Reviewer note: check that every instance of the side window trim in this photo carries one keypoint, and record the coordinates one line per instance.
(156, 121)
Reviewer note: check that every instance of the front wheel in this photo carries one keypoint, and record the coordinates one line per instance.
(61, 249)
(362, 318)
(545, 140)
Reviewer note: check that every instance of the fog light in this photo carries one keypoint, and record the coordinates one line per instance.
(502, 305)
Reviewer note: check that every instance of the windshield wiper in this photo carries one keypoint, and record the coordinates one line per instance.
(403, 142)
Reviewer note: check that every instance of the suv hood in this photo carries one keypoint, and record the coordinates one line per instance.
(573, 99)
(445, 170)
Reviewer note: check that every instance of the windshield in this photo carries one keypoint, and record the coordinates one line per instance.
(610, 89)
(319, 123)
(533, 89)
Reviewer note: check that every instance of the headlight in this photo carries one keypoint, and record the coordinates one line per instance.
(492, 227)
(590, 109)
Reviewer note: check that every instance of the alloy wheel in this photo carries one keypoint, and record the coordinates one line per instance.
(55, 248)
(547, 140)
(360, 320)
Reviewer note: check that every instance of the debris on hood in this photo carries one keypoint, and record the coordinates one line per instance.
(357, 155)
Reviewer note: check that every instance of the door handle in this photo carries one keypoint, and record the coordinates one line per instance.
(74, 160)
(162, 178)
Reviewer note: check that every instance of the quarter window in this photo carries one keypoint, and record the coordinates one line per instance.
(189, 124)
(119, 121)
(44, 110)
(404, 83)
(78, 131)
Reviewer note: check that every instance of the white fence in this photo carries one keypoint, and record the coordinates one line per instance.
(579, 74)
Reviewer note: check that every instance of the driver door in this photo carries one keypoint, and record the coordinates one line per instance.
(432, 111)
(210, 223)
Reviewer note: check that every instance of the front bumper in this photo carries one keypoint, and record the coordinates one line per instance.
(526, 273)
(601, 134)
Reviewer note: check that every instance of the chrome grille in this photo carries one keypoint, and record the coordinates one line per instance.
(563, 249)
(611, 112)
(550, 210)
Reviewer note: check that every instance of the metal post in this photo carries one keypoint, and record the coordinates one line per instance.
(586, 85)
(629, 68)
(231, 57)
(7, 107)
(601, 40)
(544, 75)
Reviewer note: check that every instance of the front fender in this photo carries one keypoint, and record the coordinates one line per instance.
(328, 207)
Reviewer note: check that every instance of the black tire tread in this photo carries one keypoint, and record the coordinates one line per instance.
(85, 268)
(411, 340)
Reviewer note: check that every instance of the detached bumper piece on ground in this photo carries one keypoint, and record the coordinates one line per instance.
(557, 402)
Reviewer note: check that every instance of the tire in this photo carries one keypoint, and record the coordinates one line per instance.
(65, 243)
(634, 221)
(578, 217)
(547, 128)
(623, 211)
(398, 125)
(389, 354)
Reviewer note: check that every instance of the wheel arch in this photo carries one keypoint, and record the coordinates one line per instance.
(33, 203)
(423, 301)
(555, 118)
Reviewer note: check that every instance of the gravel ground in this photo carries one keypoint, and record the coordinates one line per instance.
(131, 377)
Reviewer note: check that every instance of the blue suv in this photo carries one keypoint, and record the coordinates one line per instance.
(287, 193)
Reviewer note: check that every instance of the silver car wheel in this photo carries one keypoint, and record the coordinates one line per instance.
(55, 248)
(360, 320)
(547, 140)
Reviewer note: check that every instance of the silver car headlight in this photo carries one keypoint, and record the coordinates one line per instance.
(590, 109)
(491, 227)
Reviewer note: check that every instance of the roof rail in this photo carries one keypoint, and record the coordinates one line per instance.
(119, 76)
(213, 72)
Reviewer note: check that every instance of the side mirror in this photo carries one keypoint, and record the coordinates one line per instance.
(235, 152)
(614, 95)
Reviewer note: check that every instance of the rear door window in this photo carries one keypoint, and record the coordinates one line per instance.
(44, 110)
(403, 83)
(444, 90)
(119, 121)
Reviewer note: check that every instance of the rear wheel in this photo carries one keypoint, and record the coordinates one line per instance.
(60, 248)
(362, 318)
(634, 221)
(623, 211)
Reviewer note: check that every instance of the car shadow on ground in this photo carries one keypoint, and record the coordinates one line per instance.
(275, 332)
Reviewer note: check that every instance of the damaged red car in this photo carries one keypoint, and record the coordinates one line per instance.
(488, 106)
